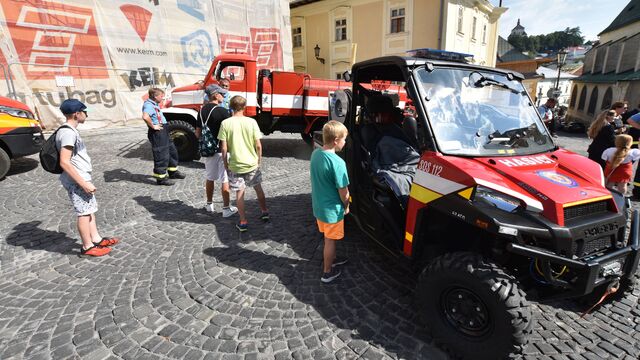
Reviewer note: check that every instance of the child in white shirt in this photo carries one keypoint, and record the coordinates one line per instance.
(620, 159)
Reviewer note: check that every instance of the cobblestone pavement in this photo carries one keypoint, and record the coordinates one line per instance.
(185, 284)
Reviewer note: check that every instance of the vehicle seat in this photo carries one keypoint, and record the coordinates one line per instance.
(410, 128)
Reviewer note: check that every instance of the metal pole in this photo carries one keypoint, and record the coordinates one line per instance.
(558, 79)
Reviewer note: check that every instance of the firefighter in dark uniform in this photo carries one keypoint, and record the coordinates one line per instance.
(165, 155)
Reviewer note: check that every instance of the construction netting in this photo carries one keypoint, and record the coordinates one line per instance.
(109, 53)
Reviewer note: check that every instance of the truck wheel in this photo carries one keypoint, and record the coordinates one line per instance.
(308, 138)
(184, 138)
(5, 163)
(473, 307)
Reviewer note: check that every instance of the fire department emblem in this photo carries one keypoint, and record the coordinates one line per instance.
(556, 178)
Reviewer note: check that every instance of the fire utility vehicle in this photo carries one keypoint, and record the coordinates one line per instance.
(464, 181)
(278, 100)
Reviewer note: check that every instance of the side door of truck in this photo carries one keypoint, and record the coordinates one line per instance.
(237, 73)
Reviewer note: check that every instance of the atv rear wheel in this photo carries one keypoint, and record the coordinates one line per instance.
(184, 138)
(473, 307)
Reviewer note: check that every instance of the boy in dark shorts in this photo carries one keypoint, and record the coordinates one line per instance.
(330, 195)
(76, 179)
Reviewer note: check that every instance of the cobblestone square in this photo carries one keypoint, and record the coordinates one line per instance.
(185, 284)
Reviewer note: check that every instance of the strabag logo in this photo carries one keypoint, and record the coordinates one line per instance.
(264, 44)
(53, 38)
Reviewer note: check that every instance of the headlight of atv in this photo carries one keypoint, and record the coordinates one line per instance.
(500, 200)
(16, 112)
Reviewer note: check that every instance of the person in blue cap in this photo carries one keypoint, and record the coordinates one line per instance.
(76, 179)
(165, 154)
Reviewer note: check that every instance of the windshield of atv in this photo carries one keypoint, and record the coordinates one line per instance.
(481, 113)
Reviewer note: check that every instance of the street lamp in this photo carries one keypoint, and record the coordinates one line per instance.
(562, 57)
(316, 51)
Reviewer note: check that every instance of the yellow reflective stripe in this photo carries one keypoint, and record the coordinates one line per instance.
(466, 193)
(587, 201)
(634, 143)
(408, 237)
(636, 183)
(160, 176)
(172, 169)
(422, 194)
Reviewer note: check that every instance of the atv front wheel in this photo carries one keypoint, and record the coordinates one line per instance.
(184, 138)
(473, 307)
(5, 163)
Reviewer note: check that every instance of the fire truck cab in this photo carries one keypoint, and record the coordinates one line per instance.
(278, 100)
(463, 181)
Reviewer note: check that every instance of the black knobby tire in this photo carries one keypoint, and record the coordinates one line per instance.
(494, 318)
(5, 163)
(184, 138)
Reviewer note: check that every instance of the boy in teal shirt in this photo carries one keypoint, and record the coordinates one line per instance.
(330, 194)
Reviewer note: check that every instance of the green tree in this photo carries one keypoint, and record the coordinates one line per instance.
(548, 42)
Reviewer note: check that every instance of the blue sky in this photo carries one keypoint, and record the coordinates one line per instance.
(546, 16)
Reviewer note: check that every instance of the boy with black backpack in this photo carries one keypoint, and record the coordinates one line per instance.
(75, 164)
(207, 126)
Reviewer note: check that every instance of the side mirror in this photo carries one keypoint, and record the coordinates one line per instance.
(346, 76)
(338, 105)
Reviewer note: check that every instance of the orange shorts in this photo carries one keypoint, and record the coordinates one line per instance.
(333, 231)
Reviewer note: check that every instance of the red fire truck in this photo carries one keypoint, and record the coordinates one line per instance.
(278, 100)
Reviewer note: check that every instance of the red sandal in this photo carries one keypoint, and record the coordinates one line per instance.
(108, 241)
(95, 251)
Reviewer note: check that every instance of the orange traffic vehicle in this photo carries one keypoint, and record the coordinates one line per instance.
(20, 133)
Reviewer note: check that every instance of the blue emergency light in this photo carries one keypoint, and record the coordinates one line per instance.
(435, 54)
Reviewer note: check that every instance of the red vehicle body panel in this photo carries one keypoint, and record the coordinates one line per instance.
(548, 182)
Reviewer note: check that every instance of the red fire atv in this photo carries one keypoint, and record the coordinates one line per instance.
(465, 182)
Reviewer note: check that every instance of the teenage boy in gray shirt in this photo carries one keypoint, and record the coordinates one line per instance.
(76, 179)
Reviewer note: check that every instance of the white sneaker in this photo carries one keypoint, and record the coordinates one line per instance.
(229, 211)
(210, 207)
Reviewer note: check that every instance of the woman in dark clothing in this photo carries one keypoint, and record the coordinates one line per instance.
(602, 131)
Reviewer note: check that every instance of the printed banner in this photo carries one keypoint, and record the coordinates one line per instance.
(109, 53)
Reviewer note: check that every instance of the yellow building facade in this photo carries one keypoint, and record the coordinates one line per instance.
(346, 31)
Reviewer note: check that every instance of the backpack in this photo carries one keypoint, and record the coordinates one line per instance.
(208, 143)
(50, 155)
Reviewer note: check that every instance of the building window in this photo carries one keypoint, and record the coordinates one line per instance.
(574, 95)
(460, 18)
(592, 102)
(338, 76)
(583, 98)
(341, 29)
(484, 33)
(473, 28)
(606, 99)
(397, 20)
(296, 37)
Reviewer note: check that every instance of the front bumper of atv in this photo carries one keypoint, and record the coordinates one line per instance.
(590, 272)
